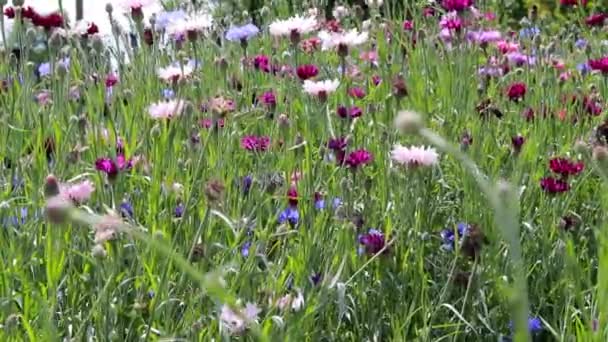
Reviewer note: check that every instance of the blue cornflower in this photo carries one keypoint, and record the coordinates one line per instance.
(44, 69)
(126, 209)
(290, 215)
(245, 249)
(535, 325)
(18, 219)
(179, 210)
(320, 204)
(168, 94)
(242, 33)
(448, 236)
(583, 68)
(580, 43)
(336, 203)
(529, 32)
(164, 19)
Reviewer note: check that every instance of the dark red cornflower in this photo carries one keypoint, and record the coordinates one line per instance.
(28, 12)
(456, 5)
(292, 196)
(597, 19)
(342, 112)
(92, 29)
(372, 242)
(516, 91)
(565, 167)
(517, 142)
(399, 87)
(269, 99)
(255, 143)
(48, 21)
(408, 25)
(9, 12)
(600, 64)
(307, 71)
(358, 158)
(573, 2)
(148, 36)
(553, 185)
(356, 92)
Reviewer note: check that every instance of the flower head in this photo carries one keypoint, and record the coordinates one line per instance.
(165, 19)
(516, 91)
(190, 27)
(236, 322)
(600, 64)
(597, 19)
(255, 143)
(166, 109)
(372, 242)
(342, 40)
(290, 214)
(358, 158)
(554, 186)
(321, 88)
(293, 27)
(565, 167)
(77, 192)
(414, 156)
(456, 5)
(242, 33)
(307, 71)
(174, 73)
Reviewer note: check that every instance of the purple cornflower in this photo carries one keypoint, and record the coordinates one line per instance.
(18, 219)
(290, 214)
(269, 99)
(179, 210)
(580, 43)
(255, 143)
(168, 94)
(245, 249)
(535, 325)
(583, 68)
(358, 158)
(372, 242)
(242, 33)
(246, 184)
(126, 209)
(44, 69)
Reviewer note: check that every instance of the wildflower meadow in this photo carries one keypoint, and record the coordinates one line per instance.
(372, 171)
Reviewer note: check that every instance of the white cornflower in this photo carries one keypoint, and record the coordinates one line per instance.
(297, 25)
(237, 321)
(174, 73)
(190, 27)
(414, 156)
(321, 88)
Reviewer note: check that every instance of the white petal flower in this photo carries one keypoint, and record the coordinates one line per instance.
(298, 24)
(414, 156)
(166, 110)
(350, 38)
(191, 25)
(321, 87)
(174, 73)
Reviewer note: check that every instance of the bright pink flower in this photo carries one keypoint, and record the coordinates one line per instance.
(505, 46)
(456, 5)
(573, 2)
(269, 99)
(408, 25)
(111, 80)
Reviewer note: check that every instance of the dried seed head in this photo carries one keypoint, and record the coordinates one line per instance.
(408, 122)
(214, 190)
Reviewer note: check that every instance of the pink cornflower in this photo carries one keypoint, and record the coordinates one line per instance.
(408, 25)
(166, 110)
(358, 158)
(269, 99)
(505, 46)
(484, 37)
(414, 156)
(356, 92)
(255, 143)
(77, 192)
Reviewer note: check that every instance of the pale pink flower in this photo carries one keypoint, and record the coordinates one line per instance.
(174, 73)
(77, 192)
(414, 156)
(191, 26)
(166, 110)
(107, 228)
(237, 321)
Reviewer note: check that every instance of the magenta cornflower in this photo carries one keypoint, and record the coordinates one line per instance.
(372, 242)
(600, 64)
(456, 5)
(262, 63)
(255, 143)
(269, 99)
(565, 167)
(307, 71)
(408, 25)
(292, 196)
(111, 167)
(569, 3)
(517, 142)
(597, 19)
(553, 185)
(359, 158)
